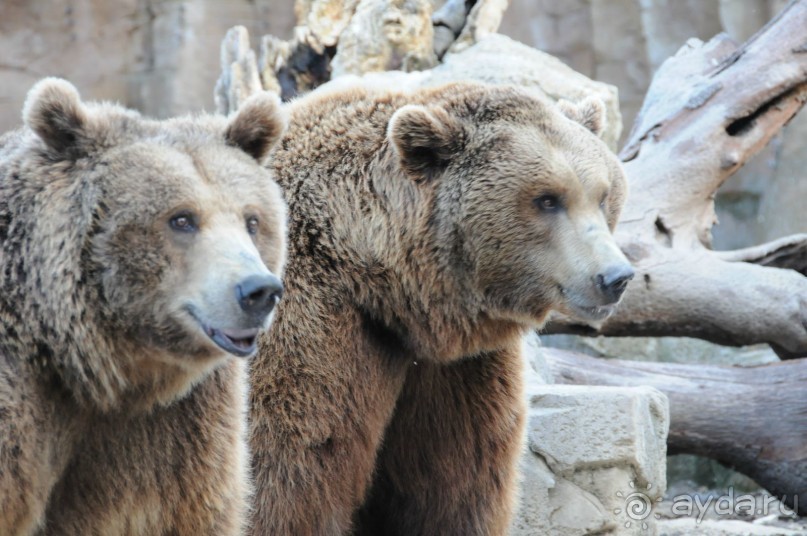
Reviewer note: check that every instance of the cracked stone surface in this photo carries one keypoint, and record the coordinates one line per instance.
(596, 458)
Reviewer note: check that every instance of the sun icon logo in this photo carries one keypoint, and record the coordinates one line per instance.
(638, 506)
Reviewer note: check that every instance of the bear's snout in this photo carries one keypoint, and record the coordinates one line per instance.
(612, 281)
(258, 294)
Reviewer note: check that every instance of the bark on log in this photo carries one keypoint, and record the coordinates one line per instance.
(709, 109)
(753, 419)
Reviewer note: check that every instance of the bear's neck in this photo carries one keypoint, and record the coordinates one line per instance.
(360, 228)
(394, 269)
(99, 375)
(50, 310)
(437, 315)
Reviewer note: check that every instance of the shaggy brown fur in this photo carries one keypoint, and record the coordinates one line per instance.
(428, 231)
(122, 241)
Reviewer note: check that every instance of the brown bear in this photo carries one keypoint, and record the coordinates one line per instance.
(428, 231)
(140, 259)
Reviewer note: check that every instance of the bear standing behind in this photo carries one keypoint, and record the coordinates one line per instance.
(428, 231)
(138, 257)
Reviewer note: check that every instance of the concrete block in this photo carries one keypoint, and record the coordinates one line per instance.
(596, 460)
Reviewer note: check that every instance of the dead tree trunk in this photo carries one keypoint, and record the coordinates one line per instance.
(709, 109)
(753, 419)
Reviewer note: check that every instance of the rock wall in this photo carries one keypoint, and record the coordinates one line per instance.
(159, 56)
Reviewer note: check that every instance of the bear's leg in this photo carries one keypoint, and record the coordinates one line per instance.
(23, 472)
(317, 425)
(312, 482)
(449, 464)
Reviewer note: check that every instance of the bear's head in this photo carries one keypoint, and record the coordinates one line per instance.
(524, 198)
(157, 245)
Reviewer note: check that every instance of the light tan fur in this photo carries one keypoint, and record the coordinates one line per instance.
(119, 414)
(387, 398)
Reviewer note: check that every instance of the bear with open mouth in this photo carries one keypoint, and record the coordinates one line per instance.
(140, 261)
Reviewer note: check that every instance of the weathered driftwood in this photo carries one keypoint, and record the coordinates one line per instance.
(753, 419)
(709, 109)
(239, 74)
(337, 37)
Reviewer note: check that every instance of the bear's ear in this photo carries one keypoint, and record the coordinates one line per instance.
(425, 139)
(257, 125)
(589, 112)
(53, 110)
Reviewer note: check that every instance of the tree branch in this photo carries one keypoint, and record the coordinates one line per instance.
(787, 252)
(696, 294)
(706, 113)
(753, 419)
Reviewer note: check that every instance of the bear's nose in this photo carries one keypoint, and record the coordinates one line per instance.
(258, 294)
(613, 280)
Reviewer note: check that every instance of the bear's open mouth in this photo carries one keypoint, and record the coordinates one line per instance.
(593, 313)
(586, 313)
(589, 313)
(239, 342)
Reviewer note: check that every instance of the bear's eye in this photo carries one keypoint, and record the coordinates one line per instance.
(548, 203)
(184, 222)
(252, 225)
(602, 202)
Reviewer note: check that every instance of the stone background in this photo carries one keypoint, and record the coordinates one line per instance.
(162, 57)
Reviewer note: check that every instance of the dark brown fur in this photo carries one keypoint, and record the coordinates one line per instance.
(118, 415)
(387, 399)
